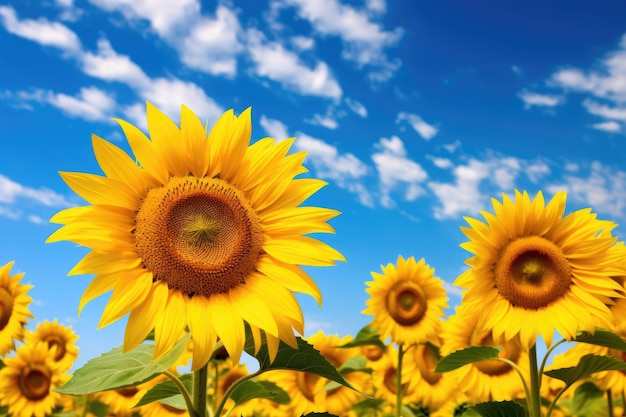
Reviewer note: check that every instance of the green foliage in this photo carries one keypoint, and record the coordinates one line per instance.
(365, 337)
(602, 337)
(166, 389)
(355, 364)
(116, 369)
(466, 356)
(250, 389)
(587, 365)
(496, 409)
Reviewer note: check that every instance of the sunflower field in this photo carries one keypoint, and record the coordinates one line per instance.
(201, 238)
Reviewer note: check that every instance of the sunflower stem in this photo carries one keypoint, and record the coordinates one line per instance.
(519, 372)
(183, 392)
(556, 398)
(545, 358)
(229, 391)
(199, 391)
(399, 390)
(535, 378)
(609, 402)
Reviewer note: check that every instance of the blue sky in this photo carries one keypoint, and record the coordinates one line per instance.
(415, 112)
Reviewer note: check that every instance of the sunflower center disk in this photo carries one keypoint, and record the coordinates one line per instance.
(6, 307)
(406, 303)
(426, 363)
(510, 351)
(532, 272)
(60, 345)
(35, 383)
(199, 235)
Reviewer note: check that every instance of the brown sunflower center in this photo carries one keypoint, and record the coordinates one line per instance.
(510, 351)
(389, 379)
(35, 383)
(199, 235)
(6, 307)
(127, 392)
(532, 272)
(54, 340)
(372, 352)
(426, 361)
(406, 303)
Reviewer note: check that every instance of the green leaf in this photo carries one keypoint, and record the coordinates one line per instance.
(355, 364)
(586, 398)
(165, 389)
(115, 369)
(497, 409)
(366, 336)
(250, 389)
(367, 405)
(98, 408)
(304, 359)
(465, 356)
(587, 365)
(602, 337)
(175, 401)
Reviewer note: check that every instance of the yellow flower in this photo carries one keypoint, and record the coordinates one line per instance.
(535, 270)
(485, 380)
(13, 308)
(60, 336)
(432, 389)
(384, 378)
(122, 401)
(204, 232)
(406, 301)
(27, 381)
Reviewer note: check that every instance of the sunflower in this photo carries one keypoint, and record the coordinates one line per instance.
(432, 389)
(60, 336)
(406, 301)
(13, 308)
(384, 379)
(485, 380)
(535, 270)
(204, 232)
(122, 401)
(28, 380)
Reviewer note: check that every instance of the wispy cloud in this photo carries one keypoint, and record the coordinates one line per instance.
(16, 197)
(274, 128)
(356, 107)
(425, 130)
(531, 99)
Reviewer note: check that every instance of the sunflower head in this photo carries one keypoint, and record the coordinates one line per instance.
(14, 312)
(407, 301)
(536, 269)
(198, 230)
(59, 337)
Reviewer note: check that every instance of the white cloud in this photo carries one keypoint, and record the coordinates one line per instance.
(604, 190)
(165, 16)
(108, 65)
(346, 170)
(536, 170)
(303, 43)
(376, 6)
(531, 99)
(356, 107)
(9, 213)
(274, 128)
(41, 31)
(11, 192)
(425, 130)
(212, 45)
(604, 111)
(396, 170)
(610, 126)
(91, 103)
(325, 121)
(516, 70)
(273, 61)
(442, 163)
(452, 147)
(69, 12)
(364, 40)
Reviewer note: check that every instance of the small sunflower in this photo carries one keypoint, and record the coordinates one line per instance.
(384, 378)
(485, 380)
(535, 270)
(28, 380)
(14, 311)
(204, 232)
(432, 389)
(407, 301)
(60, 336)
(122, 401)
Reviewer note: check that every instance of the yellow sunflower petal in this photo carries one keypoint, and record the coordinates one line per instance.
(195, 137)
(204, 336)
(169, 324)
(166, 139)
(101, 190)
(141, 319)
(144, 151)
(127, 295)
(227, 324)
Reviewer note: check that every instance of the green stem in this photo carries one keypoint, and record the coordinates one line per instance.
(521, 375)
(399, 390)
(222, 403)
(609, 401)
(183, 391)
(198, 390)
(556, 398)
(548, 353)
(85, 405)
(535, 383)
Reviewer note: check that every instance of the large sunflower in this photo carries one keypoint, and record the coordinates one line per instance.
(60, 336)
(14, 311)
(535, 270)
(204, 232)
(28, 380)
(407, 301)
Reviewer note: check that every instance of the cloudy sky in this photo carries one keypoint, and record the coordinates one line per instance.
(416, 113)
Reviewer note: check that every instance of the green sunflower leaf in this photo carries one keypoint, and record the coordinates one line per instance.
(166, 389)
(496, 409)
(587, 365)
(355, 364)
(250, 389)
(115, 369)
(587, 397)
(466, 356)
(365, 337)
(304, 359)
(602, 337)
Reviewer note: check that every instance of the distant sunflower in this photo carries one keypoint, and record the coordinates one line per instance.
(14, 311)
(432, 389)
(204, 232)
(62, 337)
(122, 401)
(384, 379)
(28, 380)
(535, 270)
(407, 301)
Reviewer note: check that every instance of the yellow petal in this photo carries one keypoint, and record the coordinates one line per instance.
(251, 306)
(166, 140)
(227, 324)
(128, 293)
(195, 139)
(141, 320)
(296, 193)
(219, 133)
(98, 286)
(105, 263)
(298, 221)
(233, 145)
(169, 325)
(202, 332)
(302, 250)
(289, 276)
(101, 190)
(92, 236)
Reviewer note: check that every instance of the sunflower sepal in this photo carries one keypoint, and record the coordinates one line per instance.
(466, 356)
(116, 369)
